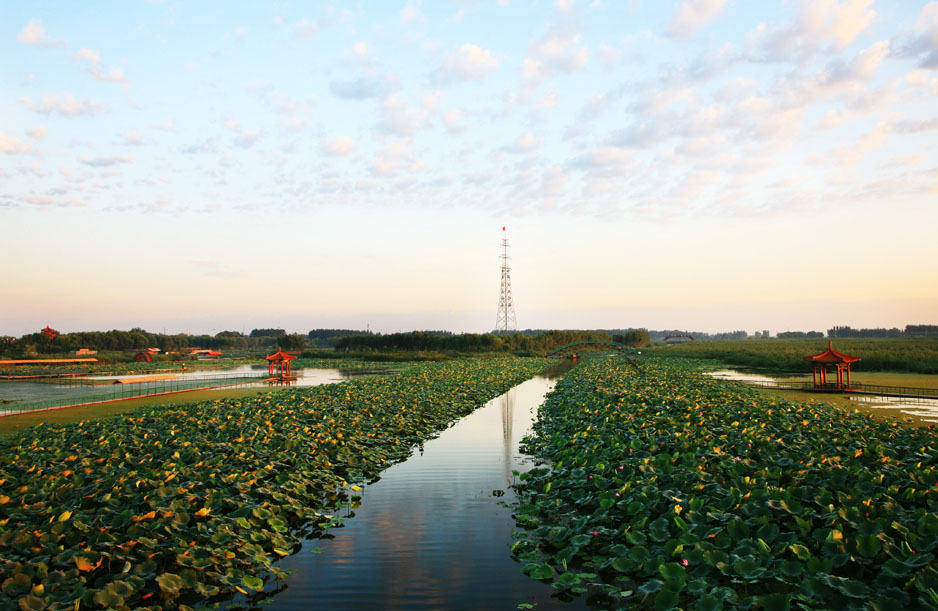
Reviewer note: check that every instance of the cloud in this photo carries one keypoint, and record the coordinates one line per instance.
(840, 21)
(454, 119)
(361, 50)
(12, 146)
(340, 146)
(47, 201)
(692, 15)
(358, 89)
(247, 139)
(909, 126)
(306, 29)
(109, 76)
(400, 119)
(466, 63)
(861, 67)
(553, 182)
(88, 55)
(132, 139)
(923, 44)
(606, 162)
(106, 162)
(431, 101)
(66, 105)
(409, 13)
(37, 133)
(564, 6)
(850, 155)
(818, 24)
(523, 144)
(35, 34)
(169, 126)
(396, 155)
(558, 51)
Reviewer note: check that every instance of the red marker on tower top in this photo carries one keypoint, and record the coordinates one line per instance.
(503, 228)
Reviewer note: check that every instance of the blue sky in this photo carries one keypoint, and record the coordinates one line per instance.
(706, 164)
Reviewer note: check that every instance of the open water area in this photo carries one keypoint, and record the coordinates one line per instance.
(22, 394)
(434, 531)
(918, 410)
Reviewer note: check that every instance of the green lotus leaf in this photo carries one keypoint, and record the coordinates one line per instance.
(749, 568)
(170, 583)
(667, 599)
(568, 579)
(672, 571)
(108, 599)
(650, 587)
(800, 551)
(253, 583)
(707, 603)
(854, 589)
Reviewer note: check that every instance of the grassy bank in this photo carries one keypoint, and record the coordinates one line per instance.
(908, 355)
(669, 488)
(178, 504)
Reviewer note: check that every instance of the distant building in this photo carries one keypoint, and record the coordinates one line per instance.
(85, 352)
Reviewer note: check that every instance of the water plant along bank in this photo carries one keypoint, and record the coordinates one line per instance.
(665, 486)
(177, 504)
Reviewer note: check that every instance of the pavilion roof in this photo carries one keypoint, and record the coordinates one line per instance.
(280, 355)
(831, 356)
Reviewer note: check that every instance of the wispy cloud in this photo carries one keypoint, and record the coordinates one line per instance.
(340, 146)
(35, 34)
(468, 62)
(12, 146)
(358, 89)
(106, 162)
(691, 15)
(65, 104)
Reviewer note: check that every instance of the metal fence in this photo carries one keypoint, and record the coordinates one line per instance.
(134, 390)
(911, 392)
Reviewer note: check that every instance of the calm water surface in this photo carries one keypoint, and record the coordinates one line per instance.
(29, 392)
(919, 410)
(430, 534)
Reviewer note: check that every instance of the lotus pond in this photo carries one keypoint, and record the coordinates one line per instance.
(178, 505)
(664, 488)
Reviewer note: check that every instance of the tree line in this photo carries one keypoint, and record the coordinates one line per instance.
(910, 331)
(540, 342)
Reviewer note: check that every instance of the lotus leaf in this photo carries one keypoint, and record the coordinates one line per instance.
(183, 501)
(790, 504)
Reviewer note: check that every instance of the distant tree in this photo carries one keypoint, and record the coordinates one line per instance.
(268, 332)
(637, 338)
(293, 341)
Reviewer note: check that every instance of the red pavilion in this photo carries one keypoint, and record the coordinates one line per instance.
(279, 362)
(827, 358)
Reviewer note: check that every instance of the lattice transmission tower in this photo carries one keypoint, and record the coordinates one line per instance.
(505, 320)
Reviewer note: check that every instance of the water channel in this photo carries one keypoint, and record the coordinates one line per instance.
(434, 532)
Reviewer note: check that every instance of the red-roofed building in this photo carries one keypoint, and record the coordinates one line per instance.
(279, 361)
(828, 358)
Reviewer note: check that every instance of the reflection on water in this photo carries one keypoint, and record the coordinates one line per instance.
(740, 376)
(26, 392)
(925, 410)
(921, 410)
(430, 534)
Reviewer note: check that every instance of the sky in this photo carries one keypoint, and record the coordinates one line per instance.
(707, 165)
